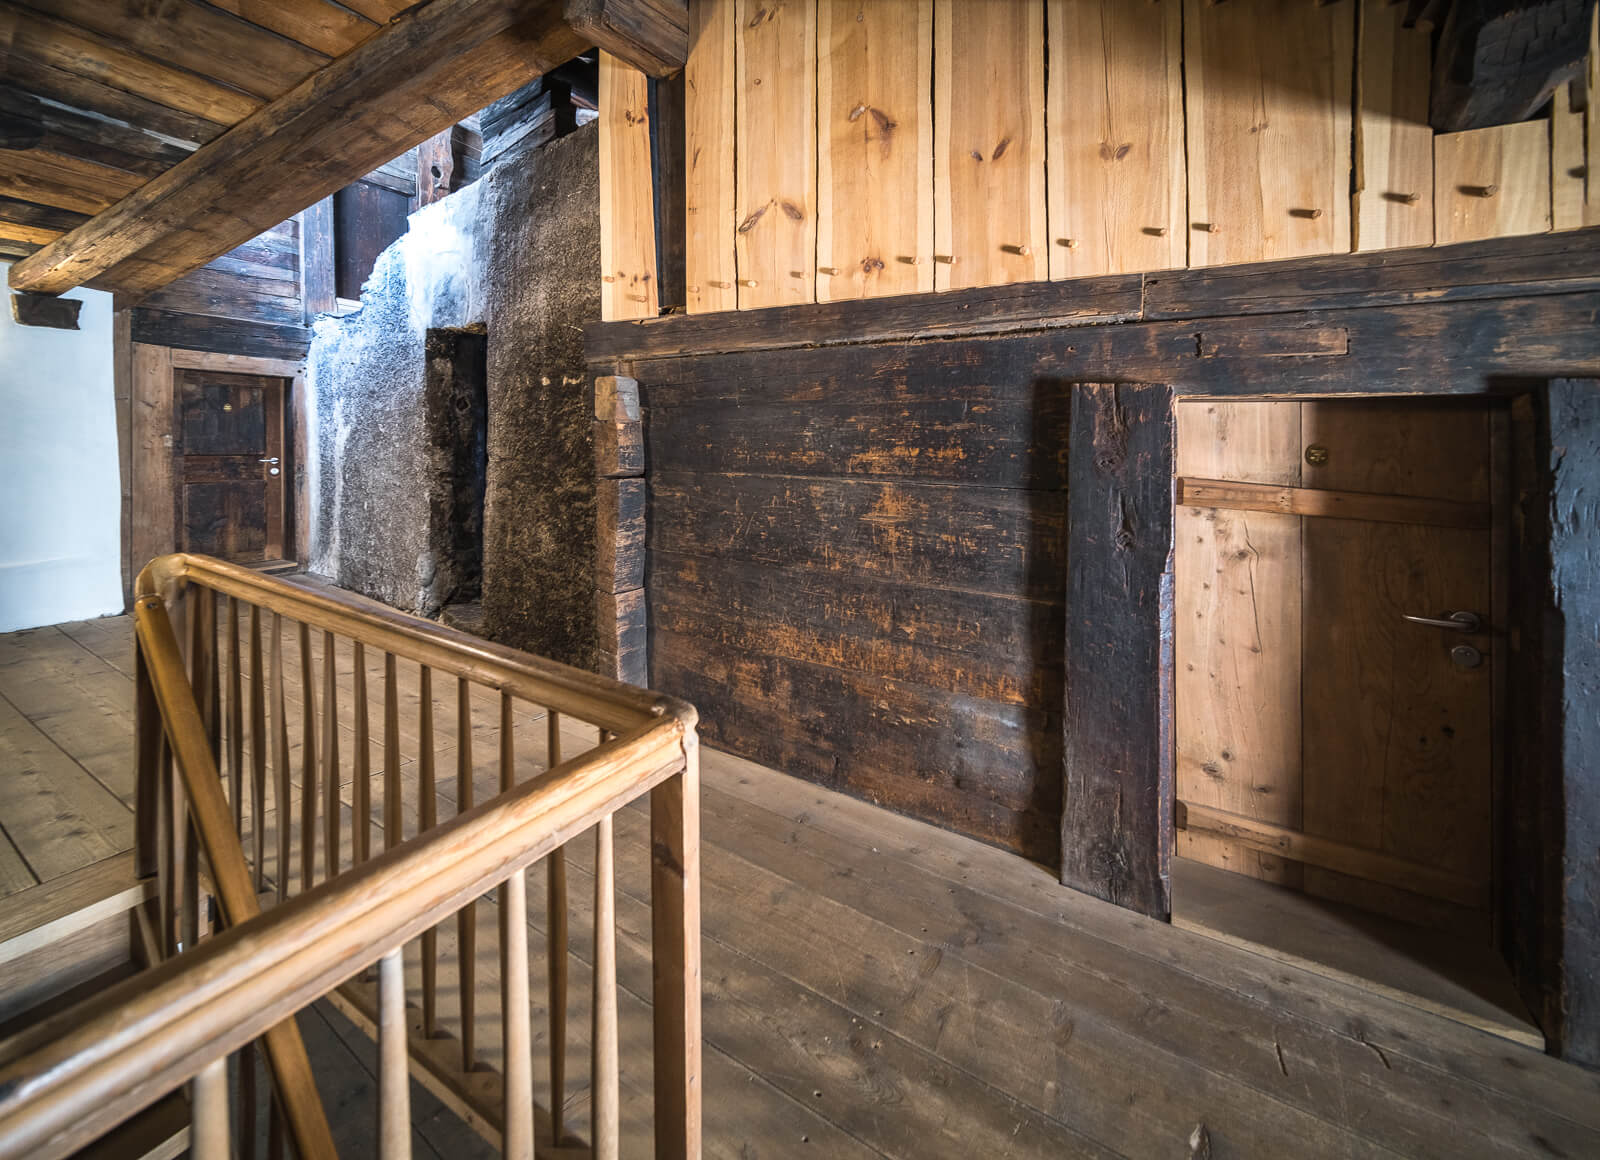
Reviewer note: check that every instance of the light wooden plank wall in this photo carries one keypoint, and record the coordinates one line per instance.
(775, 102)
(1173, 133)
(875, 164)
(628, 286)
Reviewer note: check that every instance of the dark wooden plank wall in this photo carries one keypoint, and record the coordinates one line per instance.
(858, 578)
(857, 541)
(246, 302)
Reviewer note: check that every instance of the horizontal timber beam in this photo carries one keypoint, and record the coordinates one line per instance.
(436, 63)
(1316, 501)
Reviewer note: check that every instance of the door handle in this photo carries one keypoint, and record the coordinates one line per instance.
(274, 459)
(1455, 621)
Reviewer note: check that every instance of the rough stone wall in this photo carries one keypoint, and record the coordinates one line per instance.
(542, 282)
(519, 252)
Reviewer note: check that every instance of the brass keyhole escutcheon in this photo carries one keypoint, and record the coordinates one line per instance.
(1316, 455)
(227, 406)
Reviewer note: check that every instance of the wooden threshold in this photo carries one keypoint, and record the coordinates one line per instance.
(1333, 855)
(1459, 979)
(1314, 501)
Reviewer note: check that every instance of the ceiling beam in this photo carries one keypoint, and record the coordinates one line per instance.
(651, 35)
(437, 62)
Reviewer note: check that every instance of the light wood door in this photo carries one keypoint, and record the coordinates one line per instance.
(229, 465)
(1324, 740)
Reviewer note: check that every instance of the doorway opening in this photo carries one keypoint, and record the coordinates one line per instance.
(231, 467)
(1341, 580)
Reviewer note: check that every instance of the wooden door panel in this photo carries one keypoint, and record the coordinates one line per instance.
(1397, 737)
(230, 466)
(223, 417)
(1237, 685)
(1305, 702)
(227, 520)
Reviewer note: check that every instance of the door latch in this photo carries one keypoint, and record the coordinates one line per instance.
(1453, 621)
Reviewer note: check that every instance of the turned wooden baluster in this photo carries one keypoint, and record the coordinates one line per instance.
(258, 750)
(467, 916)
(330, 754)
(556, 906)
(235, 719)
(208, 1132)
(427, 813)
(393, 828)
(280, 758)
(308, 764)
(517, 1143)
(394, 1081)
(605, 1106)
(361, 819)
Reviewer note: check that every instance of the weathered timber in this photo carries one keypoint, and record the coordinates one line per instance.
(316, 258)
(1451, 347)
(986, 539)
(1572, 633)
(650, 35)
(620, 624)
(990, 646)
(1116, 825)
(851, 737)
(619, 532)
(445, 60)
(46, 310)
(1500, 268)
(219, 335)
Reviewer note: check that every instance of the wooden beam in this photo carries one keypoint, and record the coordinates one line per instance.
(432, 65)
(1316, 501)
(650, 35)
(46, 310)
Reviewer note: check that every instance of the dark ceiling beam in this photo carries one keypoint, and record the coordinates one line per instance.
(1498, 61)
(432, 65)
(651, 35)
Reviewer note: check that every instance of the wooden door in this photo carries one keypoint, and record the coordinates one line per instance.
(230, 465)
(1325, 741)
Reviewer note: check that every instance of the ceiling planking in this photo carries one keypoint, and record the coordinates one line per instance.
(106, 100)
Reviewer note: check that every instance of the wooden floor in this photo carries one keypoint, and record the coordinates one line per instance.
(876, 987)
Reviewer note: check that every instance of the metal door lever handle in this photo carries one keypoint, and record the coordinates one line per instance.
(1457, 621)
(274, 459)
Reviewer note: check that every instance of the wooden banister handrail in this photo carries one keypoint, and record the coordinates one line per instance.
(147, 1036)
(585, 696)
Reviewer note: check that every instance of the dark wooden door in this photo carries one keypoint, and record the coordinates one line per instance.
(230, 465)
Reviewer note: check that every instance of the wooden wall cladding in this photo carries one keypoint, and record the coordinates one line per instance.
(988, 171)
(1269, 123)
(1163, 134)
(1491, 183)
(858, 578)
(1568, 174)
(1115, 137)
(875, 156)
(708, 159)
(1394, 144)
(628, 285)
(776, 85)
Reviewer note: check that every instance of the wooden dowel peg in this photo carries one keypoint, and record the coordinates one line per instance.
(750, 283)
(607, 278)
(1208, 227)
(1403, 198)
(1156, 231)
(1309, 214)
(1481, 190)
(830, 270)
(909, 260)
(1069, 243)
(722, 285)
(1021, 251)
(947, 259)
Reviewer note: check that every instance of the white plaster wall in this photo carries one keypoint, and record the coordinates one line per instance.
(60, 496)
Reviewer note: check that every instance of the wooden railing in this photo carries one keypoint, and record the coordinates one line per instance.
(217, 776)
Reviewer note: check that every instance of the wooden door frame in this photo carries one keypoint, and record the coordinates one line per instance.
(152, 526)
(1118, 825)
